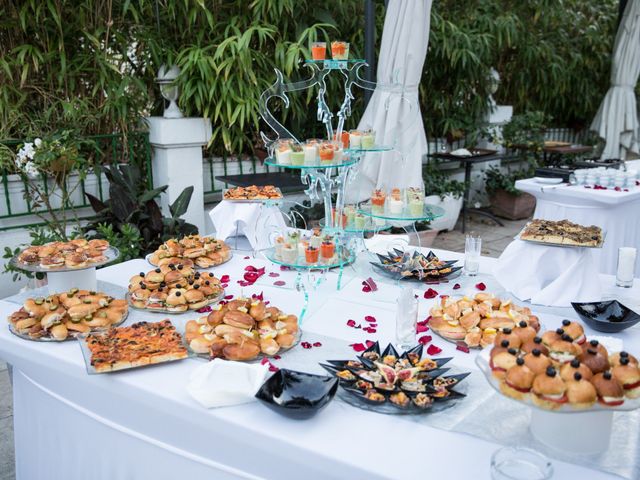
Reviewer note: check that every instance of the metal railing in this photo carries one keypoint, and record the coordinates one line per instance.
(107, 149)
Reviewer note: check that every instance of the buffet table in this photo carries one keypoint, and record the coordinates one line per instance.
(143, 424)
(617, 212)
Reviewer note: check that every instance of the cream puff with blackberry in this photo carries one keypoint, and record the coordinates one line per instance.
(549, 390)
(610, 392)
(518, 380)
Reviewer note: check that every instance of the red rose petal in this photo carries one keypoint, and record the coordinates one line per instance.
(358, 347)
(264, 361)
(424, 339)
(431, 293)
(374, 325)
(463, 347)
(242, 283)
(205, 309)
(279, 283)
(277, 357)
(366, 288)
(422, 329)
(617, 189)
(369, 282)
(433, 350)
(370, 343)
(481, 286)
(258, 297)
(637, 183)
(370, 319)
(228, 297)
(456, 286)
(284, 268)
(225, 279)
(274, 274)
(317, 344)
(369, 330)
(625, 190)
(250, 268)
(273, 368)
(251, 276)
(247, 257)
(428, 319)
(351, 323)
(305, 345)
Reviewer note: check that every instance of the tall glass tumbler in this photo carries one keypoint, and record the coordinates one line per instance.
(626, 266)
(472, 249)
(406, 318)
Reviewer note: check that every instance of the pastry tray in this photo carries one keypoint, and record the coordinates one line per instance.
(164, 311)
(86, 354)
(111, 253)
(552, 244)
(253, 200)
(482, 360)
(24, 336)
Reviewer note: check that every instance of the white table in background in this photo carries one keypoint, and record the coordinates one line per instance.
(142, 424)
(616, 212)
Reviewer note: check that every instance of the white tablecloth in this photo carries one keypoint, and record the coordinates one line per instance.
(550, 276)
(256, 221)
(143, 424)
(618, 213)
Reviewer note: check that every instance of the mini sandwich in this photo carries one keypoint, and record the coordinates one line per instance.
(76, 260)
(536, 361)
(518, 380)
(82, 311)
(524, 332)
(580, 392)
(448, 328)
(563, 350)
(195, 299)
(507, 334)
(594, 344)
(173, 277)
(594, 359)
(575, 331)
(614, 360)
(139, 297)
(568, 370)
(503, 347)
(157, 300)
(534, 322)
(55, 261)
(610, 392)
(503, 361)
(629, 378)
(551, 336)
(488, 337)
(535, 344)
(176, 302)
(239, 319)
(496, 323)
(549, 390)
(154, 276)
(52, 319)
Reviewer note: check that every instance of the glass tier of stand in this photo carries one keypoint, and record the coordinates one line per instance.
(406, 215)
(318, 165)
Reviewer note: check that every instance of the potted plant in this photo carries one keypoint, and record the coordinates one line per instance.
(444, 192)
(506, 200)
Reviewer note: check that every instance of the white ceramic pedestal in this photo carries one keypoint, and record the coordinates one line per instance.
(586, 433)
(177, 161)
(58, 282)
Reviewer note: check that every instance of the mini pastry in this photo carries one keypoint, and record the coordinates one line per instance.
(610, 391)
(551, 336)
(536, 361)
(518, 380)
(594, 344)
(593, 358)
(580, 392)
(629, 378)
(568, 370)
(549, 390)
(574, 330)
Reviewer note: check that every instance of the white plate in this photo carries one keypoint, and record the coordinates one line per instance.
(548, 180)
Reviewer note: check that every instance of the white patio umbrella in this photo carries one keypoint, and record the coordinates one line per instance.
(617, 119)
(393, 111)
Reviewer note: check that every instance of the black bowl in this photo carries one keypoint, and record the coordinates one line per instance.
(297, 395)
(610, 316)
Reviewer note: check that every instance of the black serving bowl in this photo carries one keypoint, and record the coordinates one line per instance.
(297, 395)
(610, 316)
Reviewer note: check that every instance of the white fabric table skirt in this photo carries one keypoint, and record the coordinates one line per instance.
(258, 222)
(618, 213)
(143, 424)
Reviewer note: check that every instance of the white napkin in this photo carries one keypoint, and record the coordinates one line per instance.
(461, 152)
(221, 383)
(253, 220)
(551, 276)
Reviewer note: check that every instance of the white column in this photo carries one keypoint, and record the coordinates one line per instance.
(177, 161)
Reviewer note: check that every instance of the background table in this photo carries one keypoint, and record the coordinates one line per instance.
(143, 424)
(616, 212)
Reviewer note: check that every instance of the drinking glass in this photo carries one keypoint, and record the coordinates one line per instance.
(472, 247)
(406, 318)
(518, 463)
(626, 266)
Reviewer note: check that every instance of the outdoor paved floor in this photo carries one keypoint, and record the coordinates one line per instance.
(494, 241)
